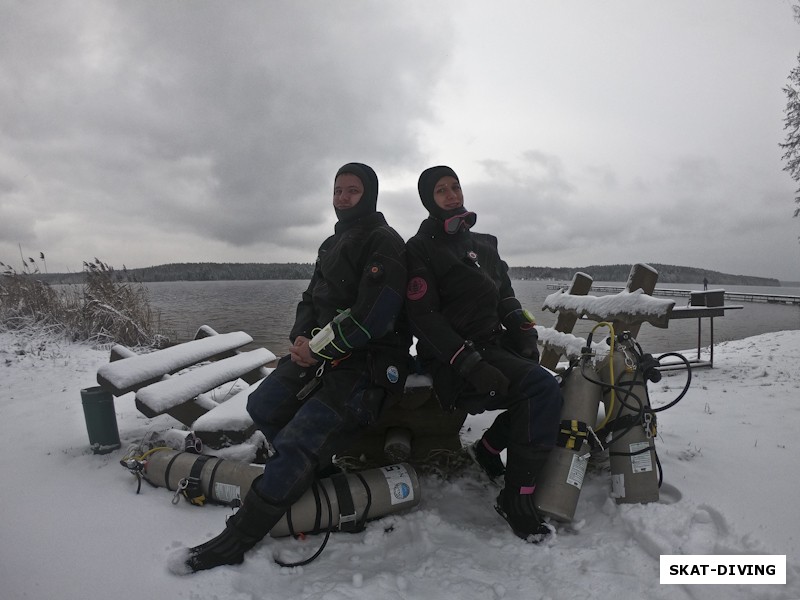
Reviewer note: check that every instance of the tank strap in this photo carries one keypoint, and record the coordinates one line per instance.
(168, 469)
(192, 489)
(572, 434)
(628, 422)
(318, 504)
(348, 518)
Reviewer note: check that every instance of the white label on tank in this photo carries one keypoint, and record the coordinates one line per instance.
(577, 469)
(225, 492)
(618, 486)
(400, 488)
(641, 463)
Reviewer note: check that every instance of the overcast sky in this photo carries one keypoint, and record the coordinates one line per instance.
(583, 132)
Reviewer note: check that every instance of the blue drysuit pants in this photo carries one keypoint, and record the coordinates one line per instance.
(533, 403)
(307, 433)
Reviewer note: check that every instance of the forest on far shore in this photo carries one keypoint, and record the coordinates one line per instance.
(284, 271)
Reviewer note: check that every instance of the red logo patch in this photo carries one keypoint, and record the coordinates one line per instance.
(417, 288)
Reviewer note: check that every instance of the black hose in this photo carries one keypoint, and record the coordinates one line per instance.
(314, 557)
(686, 385)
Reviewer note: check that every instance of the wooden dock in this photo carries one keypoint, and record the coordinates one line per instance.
(678, 293)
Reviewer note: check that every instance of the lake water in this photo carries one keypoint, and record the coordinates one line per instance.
(266, 310)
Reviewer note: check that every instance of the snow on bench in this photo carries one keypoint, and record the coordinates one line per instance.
(570, 345)
(626, 310)
(628, 307)
(129, 374)
(229, 423)
(163, 395)
(184, 381)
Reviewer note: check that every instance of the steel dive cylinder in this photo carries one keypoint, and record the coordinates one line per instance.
(221, 481)
(559, 485)
(634, 477)
(372, 493)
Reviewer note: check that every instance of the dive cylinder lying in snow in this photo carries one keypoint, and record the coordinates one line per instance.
(353, 498)
(634, 476)
(559, 485)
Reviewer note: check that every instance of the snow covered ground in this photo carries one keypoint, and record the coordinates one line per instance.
(73, 528)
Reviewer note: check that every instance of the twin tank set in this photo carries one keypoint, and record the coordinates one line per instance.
(627, 430)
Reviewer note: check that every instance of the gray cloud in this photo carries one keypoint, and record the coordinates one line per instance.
(151, 132)
(220, 119)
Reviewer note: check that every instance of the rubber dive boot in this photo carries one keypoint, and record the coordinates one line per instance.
(242, 531)
(515, 501)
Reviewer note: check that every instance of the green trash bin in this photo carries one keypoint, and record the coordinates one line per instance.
(101, 420)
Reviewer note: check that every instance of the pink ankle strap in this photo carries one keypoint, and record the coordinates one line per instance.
(488, 447)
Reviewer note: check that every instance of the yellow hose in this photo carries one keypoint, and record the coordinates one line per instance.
(610, 410)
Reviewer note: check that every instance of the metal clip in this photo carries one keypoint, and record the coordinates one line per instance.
(648, 422)
(630, 364)
(343, 519)
(182, 485)
(596, 439)
(312, 385)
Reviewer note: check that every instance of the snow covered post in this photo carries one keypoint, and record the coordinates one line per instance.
(642, 277)
(580, 286)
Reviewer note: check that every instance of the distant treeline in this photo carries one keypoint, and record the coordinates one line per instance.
(666, 274)
(198, 272)
(257, 271)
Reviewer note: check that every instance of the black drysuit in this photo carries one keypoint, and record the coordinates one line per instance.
(361, 268)
(459, 299)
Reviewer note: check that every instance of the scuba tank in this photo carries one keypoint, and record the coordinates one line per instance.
(559, 485)
(200, 478)
(351, 499)
(630, 421)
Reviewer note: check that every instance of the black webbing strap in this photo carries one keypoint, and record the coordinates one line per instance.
(625, 422)
(318, 504)
(348, 519)
(168, 469)
(289, 523)
(211, 481)
(193, 490)
(572, 434)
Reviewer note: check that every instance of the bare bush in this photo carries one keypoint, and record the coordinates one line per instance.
(105, 309)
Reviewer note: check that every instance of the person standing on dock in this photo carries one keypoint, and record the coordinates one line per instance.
(705, 283)
(480, 346)
(348, 362)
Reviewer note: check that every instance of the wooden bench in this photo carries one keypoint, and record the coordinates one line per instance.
(176, 380)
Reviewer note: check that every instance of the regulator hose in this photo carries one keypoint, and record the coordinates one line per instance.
(329, 529)
(646, 369)
(685, 389)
